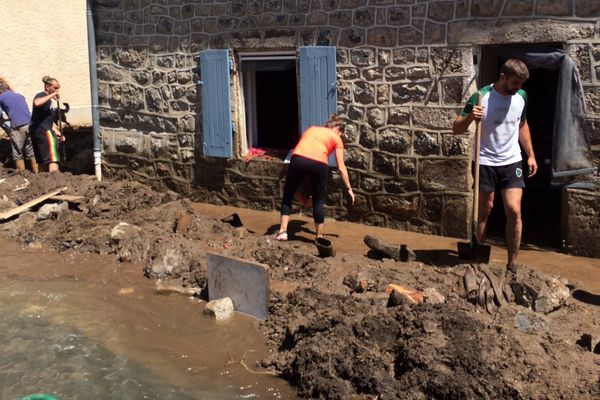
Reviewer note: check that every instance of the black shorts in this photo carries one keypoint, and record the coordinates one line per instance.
(45, 146)
(502, 177)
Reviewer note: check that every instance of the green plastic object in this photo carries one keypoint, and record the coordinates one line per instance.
(39, 396)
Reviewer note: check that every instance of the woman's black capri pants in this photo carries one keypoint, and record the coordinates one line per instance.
(318, 173)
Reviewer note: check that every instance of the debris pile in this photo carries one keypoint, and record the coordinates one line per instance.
(384, 325)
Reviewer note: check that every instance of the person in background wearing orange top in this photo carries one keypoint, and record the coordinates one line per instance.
(310, 158)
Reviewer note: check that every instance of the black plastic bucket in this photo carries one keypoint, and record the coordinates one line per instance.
(325, 247)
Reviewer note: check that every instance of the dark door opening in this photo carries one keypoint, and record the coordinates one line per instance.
(541, 204)
(271, 102)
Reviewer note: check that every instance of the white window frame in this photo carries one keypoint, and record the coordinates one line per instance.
(248, 86)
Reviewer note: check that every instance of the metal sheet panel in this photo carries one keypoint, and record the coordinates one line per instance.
(245, 283)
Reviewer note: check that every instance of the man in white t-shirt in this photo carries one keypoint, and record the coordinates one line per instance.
(503, 126)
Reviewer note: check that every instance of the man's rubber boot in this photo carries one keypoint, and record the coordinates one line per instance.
(20, 165)
(470, 284)
(34, 166)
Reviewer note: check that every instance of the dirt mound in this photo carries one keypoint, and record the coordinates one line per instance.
(295, 266)
(337, 346)
(333, 332)
(115, 200)
(127, 219)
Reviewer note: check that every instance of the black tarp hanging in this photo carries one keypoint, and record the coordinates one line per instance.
(571, 149)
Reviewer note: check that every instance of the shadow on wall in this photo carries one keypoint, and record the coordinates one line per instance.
(79, 149)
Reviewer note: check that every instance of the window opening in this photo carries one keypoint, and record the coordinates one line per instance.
(270, 97)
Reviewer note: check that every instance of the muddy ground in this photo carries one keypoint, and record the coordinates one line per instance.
(332, 330)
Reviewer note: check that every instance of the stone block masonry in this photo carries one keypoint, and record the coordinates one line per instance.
(404, 69)
(581, 210)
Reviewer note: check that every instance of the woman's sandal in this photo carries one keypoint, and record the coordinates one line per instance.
(281, 236)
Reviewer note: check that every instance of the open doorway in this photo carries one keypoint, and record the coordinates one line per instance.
(541, 205)
(271, 101)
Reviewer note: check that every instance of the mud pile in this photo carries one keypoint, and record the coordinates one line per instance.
(330, 337)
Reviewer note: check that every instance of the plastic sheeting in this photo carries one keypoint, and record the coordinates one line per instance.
(571, 150)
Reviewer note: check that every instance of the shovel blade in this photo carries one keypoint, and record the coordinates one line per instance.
(482, 253)
(474, 251)
(465, 250)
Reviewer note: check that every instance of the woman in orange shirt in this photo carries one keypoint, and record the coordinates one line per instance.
(310, 158)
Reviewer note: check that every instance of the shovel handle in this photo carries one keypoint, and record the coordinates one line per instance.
(476, 175)
(61, 145)
(59, 117)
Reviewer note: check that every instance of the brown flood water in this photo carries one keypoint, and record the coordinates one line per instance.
(114, 305)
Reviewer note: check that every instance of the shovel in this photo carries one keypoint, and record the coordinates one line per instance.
(473, 250)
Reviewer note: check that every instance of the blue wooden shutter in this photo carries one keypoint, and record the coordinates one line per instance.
(318, 90)
(216, 103)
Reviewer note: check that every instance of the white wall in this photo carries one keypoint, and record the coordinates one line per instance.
(47, 37)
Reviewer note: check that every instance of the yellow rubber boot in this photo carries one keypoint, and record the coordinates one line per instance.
(20, 165)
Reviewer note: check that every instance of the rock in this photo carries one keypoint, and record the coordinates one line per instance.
(551, 298)
(432, 296)
(166, 262)
(356, 281)
(128, 243)
(48, 211)
(527, 321)
(183, 222)
(123, 231)
(538, 291)
(221, 309)
(169, 196)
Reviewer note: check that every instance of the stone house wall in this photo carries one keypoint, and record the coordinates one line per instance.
(404, 69)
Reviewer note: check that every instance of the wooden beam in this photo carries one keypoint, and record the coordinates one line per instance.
(67, 197)
(24, 207)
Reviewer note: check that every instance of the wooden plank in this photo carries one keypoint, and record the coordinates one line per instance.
(24, 207)
(67, 197)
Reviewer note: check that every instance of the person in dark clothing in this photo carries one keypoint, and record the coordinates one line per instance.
(310, 158)
(45, 139)
(15, 107)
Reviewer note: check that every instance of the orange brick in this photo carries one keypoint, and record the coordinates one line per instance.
(415, 295)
